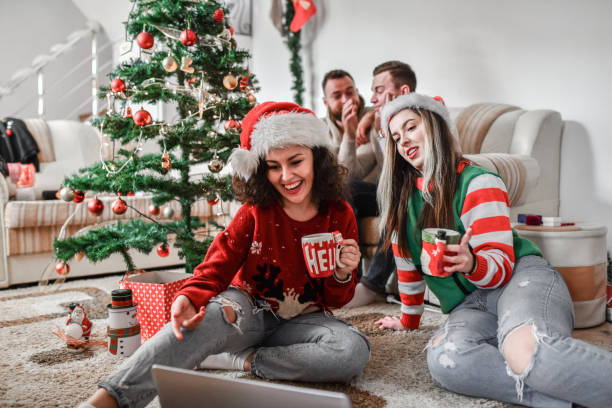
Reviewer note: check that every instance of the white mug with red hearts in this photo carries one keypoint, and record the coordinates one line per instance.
(322, 253)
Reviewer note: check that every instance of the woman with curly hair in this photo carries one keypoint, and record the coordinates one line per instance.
(508, 335)
(252, 295)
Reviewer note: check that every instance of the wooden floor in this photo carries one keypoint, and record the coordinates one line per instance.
(600, 335)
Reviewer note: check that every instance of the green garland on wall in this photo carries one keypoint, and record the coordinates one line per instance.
(293, 43)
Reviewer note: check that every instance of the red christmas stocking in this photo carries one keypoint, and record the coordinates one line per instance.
(304, 9)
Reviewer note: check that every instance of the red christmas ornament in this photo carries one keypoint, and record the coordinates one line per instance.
(9, 132)
(213, 201)
(188, 37)
(163, 250)
(142, 118)
(231, 28)
(130, 194)
(145, 40)
(219, 14)
(128, 112)
(79, 196)
(95, 206)
(62, 268)
(244, 82)
(153, 210)
(232, 124)
(119, 206)
(117, 85)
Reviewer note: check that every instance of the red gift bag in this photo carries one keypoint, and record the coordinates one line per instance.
(153, 293)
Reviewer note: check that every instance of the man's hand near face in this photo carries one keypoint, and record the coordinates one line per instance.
(349, 119)
(363, 129)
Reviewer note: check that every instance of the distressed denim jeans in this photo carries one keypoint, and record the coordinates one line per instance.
(310, 347)
(468, 359)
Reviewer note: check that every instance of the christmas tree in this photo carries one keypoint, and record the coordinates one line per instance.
(184, 55)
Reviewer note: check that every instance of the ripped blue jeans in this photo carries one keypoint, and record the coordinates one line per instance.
(310, 347)
(468, 359)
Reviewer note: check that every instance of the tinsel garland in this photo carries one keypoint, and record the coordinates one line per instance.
(295, 46)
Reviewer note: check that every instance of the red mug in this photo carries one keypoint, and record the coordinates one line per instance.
(322, 253)
(434, 248)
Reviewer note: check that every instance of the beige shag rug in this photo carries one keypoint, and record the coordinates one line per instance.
(37, 370)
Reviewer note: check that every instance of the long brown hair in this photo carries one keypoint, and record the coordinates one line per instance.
(398, 182)
(329, 182)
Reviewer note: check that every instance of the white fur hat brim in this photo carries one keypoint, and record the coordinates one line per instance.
(278, 130)
(415, 101)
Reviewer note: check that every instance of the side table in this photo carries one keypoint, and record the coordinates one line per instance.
(579, 254)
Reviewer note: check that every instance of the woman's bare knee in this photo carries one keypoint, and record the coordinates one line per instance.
(438, 339)
(102, 399)
(519, 347)
(230, 313)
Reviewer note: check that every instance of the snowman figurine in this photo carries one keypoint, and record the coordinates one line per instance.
(78, 326)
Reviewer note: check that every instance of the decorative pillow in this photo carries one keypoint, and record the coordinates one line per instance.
(42, 135)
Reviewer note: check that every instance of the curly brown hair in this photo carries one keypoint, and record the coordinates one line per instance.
(329, 182)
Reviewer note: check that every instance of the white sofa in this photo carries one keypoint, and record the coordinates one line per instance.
(28, 227)
(533, 134)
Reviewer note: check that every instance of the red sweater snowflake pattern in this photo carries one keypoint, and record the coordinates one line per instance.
(260, 251)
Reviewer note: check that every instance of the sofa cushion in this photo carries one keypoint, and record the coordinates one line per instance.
(22, 241)
(520, 173)
(474, 122)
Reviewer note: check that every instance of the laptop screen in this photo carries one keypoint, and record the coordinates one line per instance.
(178, 387)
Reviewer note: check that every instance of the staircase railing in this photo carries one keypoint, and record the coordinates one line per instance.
(36, 69)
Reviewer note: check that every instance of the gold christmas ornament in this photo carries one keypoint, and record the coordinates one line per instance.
(230, 82)
(215, 165)
(79, 255)
(251, 98)
(166, 162)
(170, 64)
(186, 65)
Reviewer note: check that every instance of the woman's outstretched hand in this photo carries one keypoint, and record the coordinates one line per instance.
(349, 256)
(390, 322)
(464, 260)
(184, 314)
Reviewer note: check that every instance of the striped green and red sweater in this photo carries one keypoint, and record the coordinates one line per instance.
(480, 202)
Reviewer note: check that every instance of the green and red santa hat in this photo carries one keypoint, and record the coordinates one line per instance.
(272, 125)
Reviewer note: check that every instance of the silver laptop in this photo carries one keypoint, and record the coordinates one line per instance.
(177, 387)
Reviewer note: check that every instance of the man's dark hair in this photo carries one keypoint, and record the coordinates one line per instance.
(401, 73)
(335, 74)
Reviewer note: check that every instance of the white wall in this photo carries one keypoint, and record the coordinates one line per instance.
(551, 54)
(29, 28)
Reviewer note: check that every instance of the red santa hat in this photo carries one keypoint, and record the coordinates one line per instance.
(275, 124)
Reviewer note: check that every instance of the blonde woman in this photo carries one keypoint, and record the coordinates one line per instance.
(508, 334)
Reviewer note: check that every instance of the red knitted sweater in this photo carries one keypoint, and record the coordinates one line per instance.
(260, 251)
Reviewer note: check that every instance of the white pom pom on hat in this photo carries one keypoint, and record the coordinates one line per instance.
(275, 124)
(416, 101)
